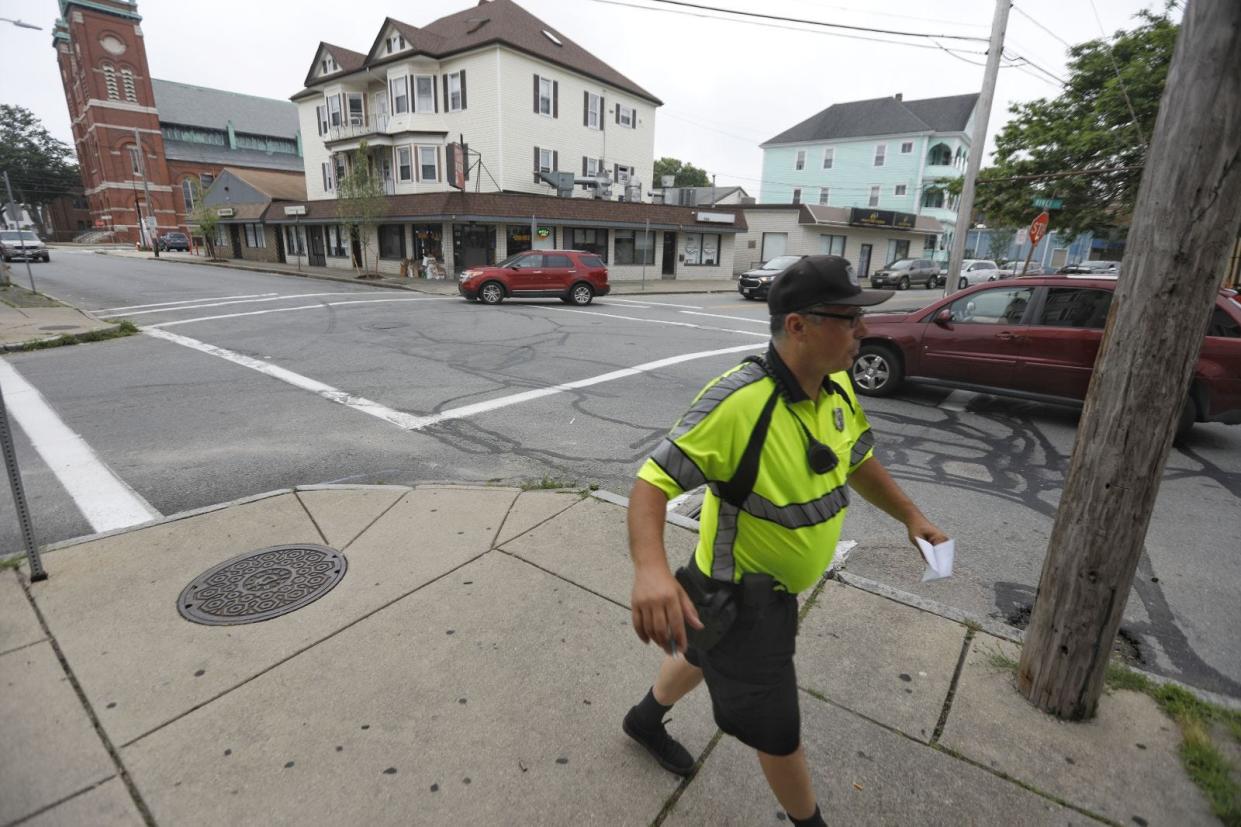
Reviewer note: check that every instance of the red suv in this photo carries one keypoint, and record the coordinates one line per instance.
(1034, 338)
(573, 276)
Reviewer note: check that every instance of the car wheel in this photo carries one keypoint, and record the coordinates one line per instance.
(491, 293)
(47, 258)
(1189, 415)
(877, 371)
(903, 284)
(963, 283)
(581, 294)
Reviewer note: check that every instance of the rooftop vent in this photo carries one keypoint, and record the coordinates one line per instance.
(552, 37)
(899, 96)
(476, 23)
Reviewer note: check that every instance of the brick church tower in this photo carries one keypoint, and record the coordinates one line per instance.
(116, 129)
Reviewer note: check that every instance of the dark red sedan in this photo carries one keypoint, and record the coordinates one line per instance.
(1034, 338)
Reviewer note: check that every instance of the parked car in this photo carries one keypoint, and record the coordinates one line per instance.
(1018, 268)
(1092, 268)
(753, 284)
(905, 273)
(573, 276)
(976, 270)
(1036, 339)
(173, 241)
(24, 245)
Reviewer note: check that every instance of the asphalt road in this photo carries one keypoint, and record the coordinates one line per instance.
(246, 382)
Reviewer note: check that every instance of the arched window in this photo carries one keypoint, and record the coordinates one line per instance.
(188, 190)
(940, 155)
(109, 81)
(127, 81)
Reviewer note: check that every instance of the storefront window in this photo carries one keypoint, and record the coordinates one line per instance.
(391, 241)
(473, 245)
(518, 239)
(589, 240)
(702, 248)
(635, 247)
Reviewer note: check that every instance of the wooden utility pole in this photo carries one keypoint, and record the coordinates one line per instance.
(978, 140)
(1187, 215)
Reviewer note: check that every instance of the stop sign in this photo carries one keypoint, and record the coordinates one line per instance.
(1038, 227)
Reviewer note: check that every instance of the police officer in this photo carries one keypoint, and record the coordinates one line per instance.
(779, 441)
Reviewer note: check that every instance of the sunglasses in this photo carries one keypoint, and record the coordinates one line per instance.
(854, 319)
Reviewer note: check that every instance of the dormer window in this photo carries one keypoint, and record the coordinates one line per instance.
(327, 65)
(396, 43)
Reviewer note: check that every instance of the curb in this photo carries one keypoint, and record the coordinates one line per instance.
(78, 338)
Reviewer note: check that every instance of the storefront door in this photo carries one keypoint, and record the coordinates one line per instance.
(234, 234)
(670, 255)
(317, 256)
(863, 261)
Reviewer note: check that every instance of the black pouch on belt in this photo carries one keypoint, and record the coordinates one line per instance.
(716, 602)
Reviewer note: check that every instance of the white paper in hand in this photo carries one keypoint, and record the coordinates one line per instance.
(938, 559)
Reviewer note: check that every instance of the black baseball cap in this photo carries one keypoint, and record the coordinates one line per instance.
(820, 280)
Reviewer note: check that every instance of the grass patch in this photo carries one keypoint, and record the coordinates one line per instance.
(547, 484)
(12, 562)
(1001, 662)
(125, 328)
(14, 295)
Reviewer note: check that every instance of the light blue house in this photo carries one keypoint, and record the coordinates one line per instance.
(886, 153)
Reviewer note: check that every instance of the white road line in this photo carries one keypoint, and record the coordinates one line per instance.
(724, 316)
(185, 301)
(632, 305)
(328, 392)
(957, 400)
(648, 321)
(244, 301)
(655, 302)
(104, 499)
(526, 396)
(416, 423)
(318, 306)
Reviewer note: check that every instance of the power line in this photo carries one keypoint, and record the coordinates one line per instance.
(1017, 9)
(749, 140)
(1034, 65)
(1080, 173)
(1111, 53)
(777, 26)
(821, 23)
(903, 16)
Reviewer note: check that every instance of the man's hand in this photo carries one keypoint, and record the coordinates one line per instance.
(661, 608)
(920, 526)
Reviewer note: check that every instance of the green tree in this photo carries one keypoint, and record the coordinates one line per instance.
(360, 199)
(687, 175)
(40, 167)
(203, 219)
(1087, 127)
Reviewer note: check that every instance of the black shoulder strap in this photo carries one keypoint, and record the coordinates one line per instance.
(736, 490)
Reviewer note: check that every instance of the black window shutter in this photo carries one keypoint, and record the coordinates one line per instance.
(602, 111)
(536, 95)
(536, 149)
(555, 99)
(585, 112)
(435, 94)
(584, 159)
(447, 99)
(463, 89)
(555, 161)
(616, 113)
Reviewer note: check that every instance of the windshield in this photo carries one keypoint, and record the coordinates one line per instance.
(14, 235)
(780, 262)
(508, 262)
(901, 264)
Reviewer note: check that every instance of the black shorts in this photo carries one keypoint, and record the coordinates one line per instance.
(751, 678)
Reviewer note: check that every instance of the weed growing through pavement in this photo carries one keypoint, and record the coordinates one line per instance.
(1207, 767)
(547, 484)
(125, 328)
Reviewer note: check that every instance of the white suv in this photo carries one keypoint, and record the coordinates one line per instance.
(22, 244)
(976, 271)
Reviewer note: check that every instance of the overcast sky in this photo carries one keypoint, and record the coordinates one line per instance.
(726, 86)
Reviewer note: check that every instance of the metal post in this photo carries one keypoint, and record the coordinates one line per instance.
(647, 238)
(978, 141)
(18, 217)
(146, 187)
(19, 495)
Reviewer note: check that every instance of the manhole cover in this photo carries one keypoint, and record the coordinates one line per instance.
(263, 584)
(58, 327)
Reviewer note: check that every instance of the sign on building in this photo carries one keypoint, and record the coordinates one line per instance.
(458, 167)
(864, 217)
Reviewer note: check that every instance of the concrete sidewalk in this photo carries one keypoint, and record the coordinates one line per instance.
(27, 318)
(440, 287)
(472, 666)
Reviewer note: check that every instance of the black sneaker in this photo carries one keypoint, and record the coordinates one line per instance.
(666, 750)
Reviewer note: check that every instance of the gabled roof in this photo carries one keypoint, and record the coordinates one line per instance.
(881, 116)
(188, 105)
(348, 61)
(491, 22)
(277, 186)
